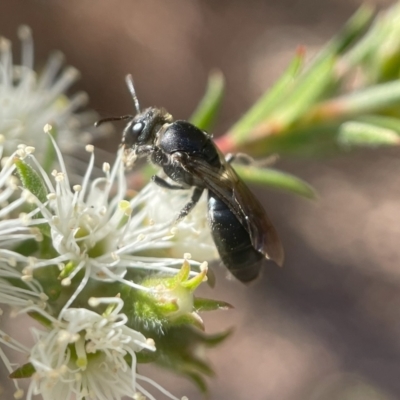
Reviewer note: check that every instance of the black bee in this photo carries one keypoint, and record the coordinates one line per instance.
(242, 232)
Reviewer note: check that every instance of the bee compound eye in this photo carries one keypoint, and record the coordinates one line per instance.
(138, 127)
(132, 132)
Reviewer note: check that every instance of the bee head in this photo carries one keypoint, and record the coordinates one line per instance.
(143, 127)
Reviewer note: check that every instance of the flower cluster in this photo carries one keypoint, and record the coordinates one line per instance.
(107, 273)
(29, 101)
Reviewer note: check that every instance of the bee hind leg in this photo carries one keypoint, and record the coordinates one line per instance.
(245, 159)
(197, 192)
(164, 184)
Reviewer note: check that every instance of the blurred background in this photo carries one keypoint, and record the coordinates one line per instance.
(327, 325)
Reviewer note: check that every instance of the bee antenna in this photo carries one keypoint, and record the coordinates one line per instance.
(102, 121)
(129, 82)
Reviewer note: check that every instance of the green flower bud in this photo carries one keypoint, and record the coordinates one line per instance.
(169, 301)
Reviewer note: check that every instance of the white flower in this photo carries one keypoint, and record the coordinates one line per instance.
(12, 228)
(86, 356)
(18, 347)
(13, 231)
(94, 229)
(27, 296)
(192, 234)
(28, 101)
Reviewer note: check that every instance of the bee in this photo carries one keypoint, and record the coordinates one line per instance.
(242, 232)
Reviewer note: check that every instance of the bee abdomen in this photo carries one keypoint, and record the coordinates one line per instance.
(233, 241)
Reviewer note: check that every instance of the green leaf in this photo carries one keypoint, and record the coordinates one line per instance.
(191, 319)
(351, 32)
(311, 87)
(201, 304)
(368, 100)
(217, 338)
(391, 123)
(264, 106)
(41, 319)
(320, 75)
(294, 93)
(377, 53)
(27, 247)
(198, 381)
(276, 179)
(181, 350)
(31, 180)
(25, 371)
(389, 66)
(207, 110)
(314, 140)
(363, 134)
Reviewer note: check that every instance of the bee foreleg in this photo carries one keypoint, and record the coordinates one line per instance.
(144, 150)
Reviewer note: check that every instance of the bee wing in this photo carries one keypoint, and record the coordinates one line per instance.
(226, 184)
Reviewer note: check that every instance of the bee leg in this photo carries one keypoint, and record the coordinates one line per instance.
(239, 158)
(197, 192)
(245, 159)
(230, 157)
(164, 184)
